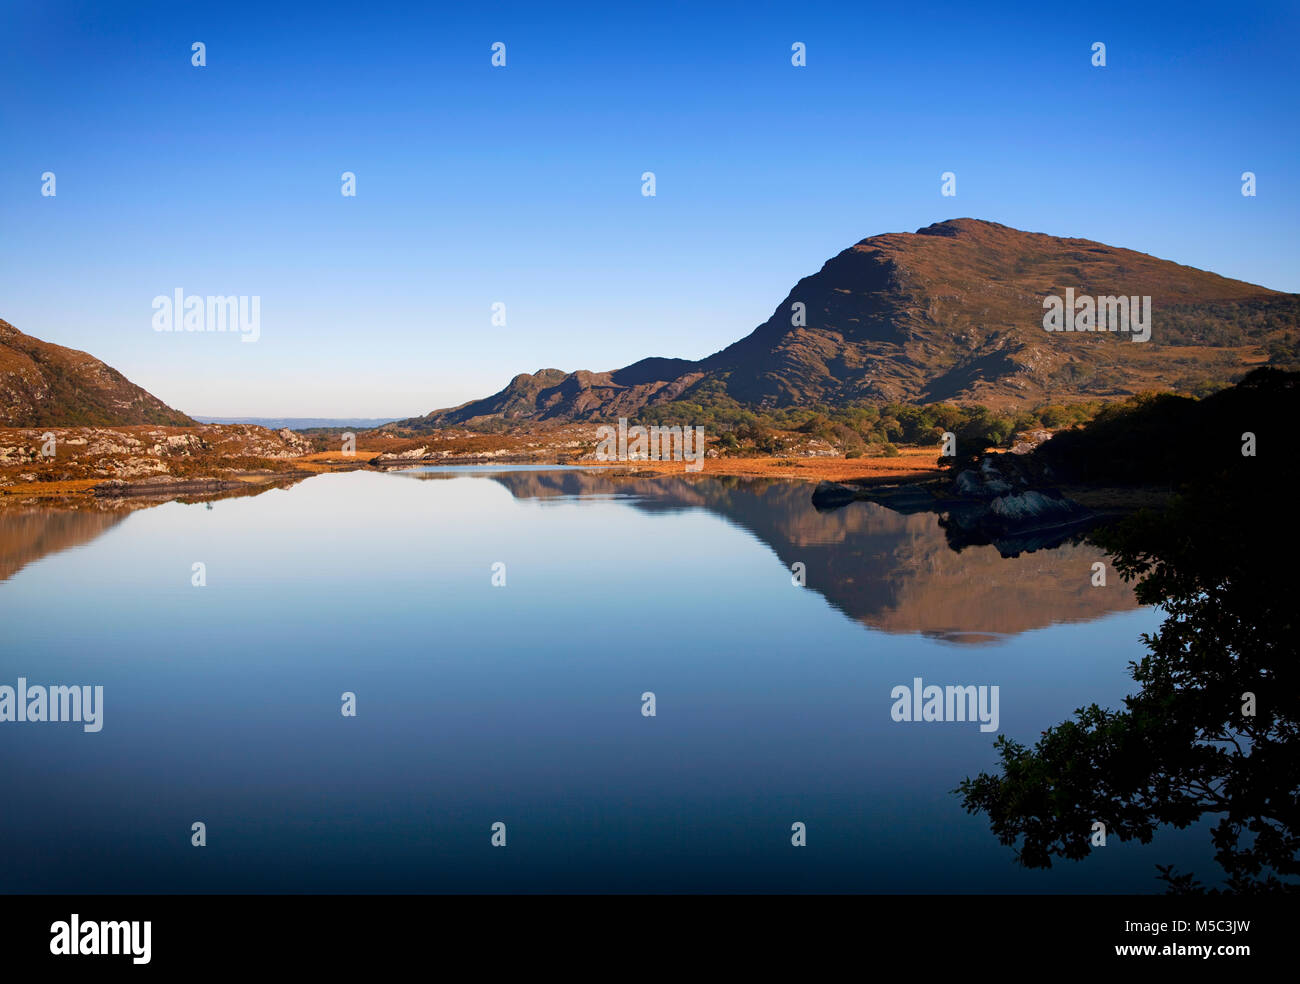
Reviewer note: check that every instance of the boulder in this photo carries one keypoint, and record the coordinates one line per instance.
(832, 495)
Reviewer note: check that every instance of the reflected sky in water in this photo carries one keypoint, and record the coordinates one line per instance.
(522, 703)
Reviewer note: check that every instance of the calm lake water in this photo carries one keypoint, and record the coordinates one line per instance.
(522, 703)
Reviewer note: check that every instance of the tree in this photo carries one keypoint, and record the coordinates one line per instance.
(1189, 744)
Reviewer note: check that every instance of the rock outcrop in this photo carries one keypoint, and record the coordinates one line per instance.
(134, 454)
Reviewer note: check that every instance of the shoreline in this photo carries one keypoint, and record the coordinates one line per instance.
(910, 465)
(153, 478)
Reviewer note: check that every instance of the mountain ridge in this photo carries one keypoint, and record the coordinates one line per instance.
(952, 312)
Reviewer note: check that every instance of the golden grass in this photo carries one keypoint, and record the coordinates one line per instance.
(912, 464)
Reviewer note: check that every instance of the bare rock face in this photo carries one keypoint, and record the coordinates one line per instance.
(985, 482)
(1029, 506)
(403, 457)
(46, 385)
(136, 454)
(1027, 441)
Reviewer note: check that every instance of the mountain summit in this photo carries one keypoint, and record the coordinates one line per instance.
(952, 312)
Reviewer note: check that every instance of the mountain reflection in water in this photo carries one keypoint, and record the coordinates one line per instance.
(889, 571)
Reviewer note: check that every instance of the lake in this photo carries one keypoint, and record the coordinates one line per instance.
(522, 703)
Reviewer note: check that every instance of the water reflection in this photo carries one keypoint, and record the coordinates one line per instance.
(887, 570)
(1212, 734)
(521, 703)
(28, 534)
(32, 529)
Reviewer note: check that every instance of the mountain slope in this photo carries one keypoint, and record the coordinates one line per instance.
(952, 312)
(46, 385)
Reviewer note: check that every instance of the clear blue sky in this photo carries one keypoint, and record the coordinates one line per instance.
(523, 185)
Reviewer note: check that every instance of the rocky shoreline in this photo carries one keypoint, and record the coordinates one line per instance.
(116, 488)
(1001, 500)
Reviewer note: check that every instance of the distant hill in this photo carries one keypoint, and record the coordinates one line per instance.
(952, 312)
(301, 423)
(45, 385)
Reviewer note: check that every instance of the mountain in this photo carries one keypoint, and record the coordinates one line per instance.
(45, 385)
(302, 423)
(950, 313)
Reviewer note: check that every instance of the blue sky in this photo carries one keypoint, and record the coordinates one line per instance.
(522, 185)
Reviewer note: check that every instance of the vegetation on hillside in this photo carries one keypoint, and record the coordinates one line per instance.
(855, 429)
(47, 385)
(1227, 324)
(1170, 439)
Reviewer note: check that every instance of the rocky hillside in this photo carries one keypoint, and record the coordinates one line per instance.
(952, 312)
(79, 454)
(45, 385)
